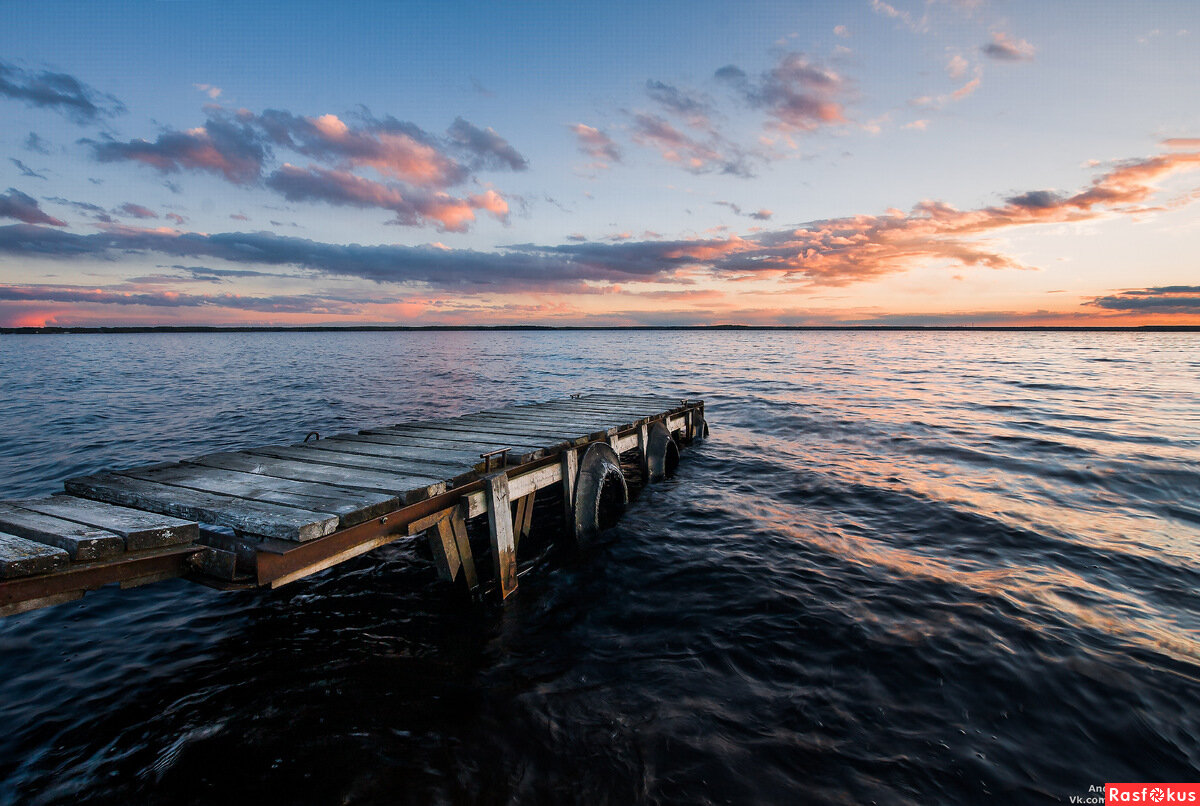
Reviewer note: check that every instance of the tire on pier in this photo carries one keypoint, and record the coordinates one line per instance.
(600, 492)
(662, 454)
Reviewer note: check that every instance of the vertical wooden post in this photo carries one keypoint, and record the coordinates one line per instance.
(570, 474)
(458, 526)
(500, 526)
(644, 446)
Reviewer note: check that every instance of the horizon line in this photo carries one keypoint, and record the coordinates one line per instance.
(127, 329)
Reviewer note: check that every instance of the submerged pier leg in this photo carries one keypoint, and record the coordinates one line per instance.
(458, 527)
(570, 474)
(500, 527)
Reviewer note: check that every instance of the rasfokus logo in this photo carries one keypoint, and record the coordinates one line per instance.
(1151, 793)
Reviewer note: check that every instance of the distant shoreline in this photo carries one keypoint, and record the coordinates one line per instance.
(426, 328)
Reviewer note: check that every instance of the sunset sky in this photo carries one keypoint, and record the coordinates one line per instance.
(859, 162)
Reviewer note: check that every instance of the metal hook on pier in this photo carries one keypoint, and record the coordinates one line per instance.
(312, 434)
(500, 454)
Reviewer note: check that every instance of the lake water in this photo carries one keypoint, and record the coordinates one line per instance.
(906, 568)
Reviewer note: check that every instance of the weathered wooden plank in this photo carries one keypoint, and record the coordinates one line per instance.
(474, 425)
(450, 457)
(634, 414)
(527, 443)
(82, 543)
(352, 506)
(407, 488)
(500, 528)
(21, 557)
(453, 429)
(497, 433)
(583, 424)
(393, 453)
(140, 530)
(252, 517)
(596, 410)
(459, 441)
(325, 456)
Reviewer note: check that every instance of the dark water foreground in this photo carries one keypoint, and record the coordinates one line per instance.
(907, 568)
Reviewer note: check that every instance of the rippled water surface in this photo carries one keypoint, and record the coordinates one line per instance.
(906, 568)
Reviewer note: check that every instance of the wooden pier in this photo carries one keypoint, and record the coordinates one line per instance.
(272, 515)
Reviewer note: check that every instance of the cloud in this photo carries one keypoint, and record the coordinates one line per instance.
(122, 295)
(678, 148)
(241, 145)
(1162, 299)
(36, 144)
(209, 90)
(691, 108)
(829, 252)
(15, 204)
(762, 214)
(94, 210)
(490, 149)
(1005, 48)
(940, 101)
(394, 148)
(25, 169)
(798, 94)
(221, 146)
(136, 211)
(57, 91)
(412, 207)
(891, 12)
(596, 144)
(956, 66)
(841, 30)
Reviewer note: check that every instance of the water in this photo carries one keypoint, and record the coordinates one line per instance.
(906, 568)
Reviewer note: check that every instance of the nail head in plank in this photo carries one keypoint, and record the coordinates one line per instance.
(251, 517)
(21, 557)
(141, 530)
(82, 543)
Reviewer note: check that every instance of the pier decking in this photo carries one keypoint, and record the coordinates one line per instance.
(272, 515)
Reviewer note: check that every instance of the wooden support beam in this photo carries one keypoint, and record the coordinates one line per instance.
(523, 521)
(445, 550)
(458, 527)
(570, 474)
(500, 527)
(643, 443)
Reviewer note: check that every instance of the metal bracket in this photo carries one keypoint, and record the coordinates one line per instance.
(501, 456)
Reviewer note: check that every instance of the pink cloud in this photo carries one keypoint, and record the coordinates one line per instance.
(596, 144)
(1006, 48)
(412, 207)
